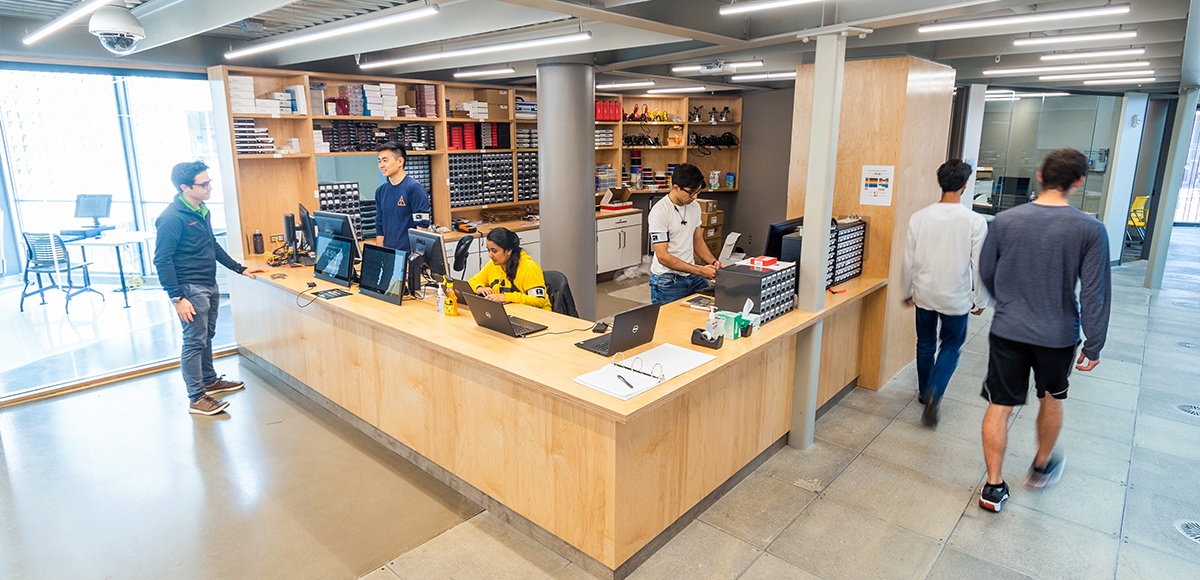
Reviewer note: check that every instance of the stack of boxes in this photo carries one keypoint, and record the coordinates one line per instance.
(462, 137)
(355, 98)
(251, 140)
(471, 110)
(425, 97)
(320, 145)
(527, 175)
(494, 136)
(526, 111)
(347, 136)
(343, 198)
(415, 137)
(527, 138)
(606, 178)
(604, 137)
(497, 103)
(241, 95)
(316, 97)
(389, 101)
(712, 221)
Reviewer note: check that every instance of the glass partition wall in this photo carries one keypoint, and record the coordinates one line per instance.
(1017, 135)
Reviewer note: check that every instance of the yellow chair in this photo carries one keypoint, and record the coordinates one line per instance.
(1137, 218)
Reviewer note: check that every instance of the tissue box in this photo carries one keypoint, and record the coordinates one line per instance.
(730, 323)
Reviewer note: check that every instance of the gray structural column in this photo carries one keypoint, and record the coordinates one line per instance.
(1181, 138)
(972, 135)
(828, 69)
(1122, 167)
(566, 176)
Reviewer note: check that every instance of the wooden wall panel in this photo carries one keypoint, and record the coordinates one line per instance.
(841, 337)
(801, 125)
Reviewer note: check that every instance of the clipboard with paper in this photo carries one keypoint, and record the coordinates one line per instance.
(627, 378)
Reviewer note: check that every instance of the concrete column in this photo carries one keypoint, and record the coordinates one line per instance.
(828, 69)
(972, 134)
(1122, 165)
(1164, 218)
(566, 176)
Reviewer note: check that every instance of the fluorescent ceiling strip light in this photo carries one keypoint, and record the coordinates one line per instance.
(519, 45)
(1084, 76)
(764, 76)
(1096, 54)
(1075, 38)
(766, 5)
(1027, 18)
(484, 73)
(697, 67)
(995, 99)
(1064, 68)
(396, 18)
(679, 90)
(79, 11)
(628, 85)
(1121, 81)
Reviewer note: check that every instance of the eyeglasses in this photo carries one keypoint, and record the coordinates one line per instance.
(692, 192)
(205, 184)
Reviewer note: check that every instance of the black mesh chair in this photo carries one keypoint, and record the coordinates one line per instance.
(47, 254)
(561, 300)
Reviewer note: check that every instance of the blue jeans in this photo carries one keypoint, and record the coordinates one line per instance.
(666, 288)
(933, 375)
(196, 361)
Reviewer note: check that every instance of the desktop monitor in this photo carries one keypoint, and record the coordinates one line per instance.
(335, 260)
(775, 234)
(308, 231)
(428, 253)
(92, 205)
(337, 224)
(383, 273)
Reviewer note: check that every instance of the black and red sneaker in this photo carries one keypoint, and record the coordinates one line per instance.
(992, 497)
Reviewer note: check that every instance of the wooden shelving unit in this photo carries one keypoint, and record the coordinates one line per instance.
(268, 185)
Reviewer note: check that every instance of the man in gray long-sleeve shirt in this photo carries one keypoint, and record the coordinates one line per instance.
(1034, 256)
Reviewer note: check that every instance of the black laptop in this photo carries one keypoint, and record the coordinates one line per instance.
(630, 329)
(492, 315)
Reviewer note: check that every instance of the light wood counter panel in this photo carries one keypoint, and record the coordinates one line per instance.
(505, 415)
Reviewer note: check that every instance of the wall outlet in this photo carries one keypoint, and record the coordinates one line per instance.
(276, 238)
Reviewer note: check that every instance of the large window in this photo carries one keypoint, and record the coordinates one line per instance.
(1187, 209)
(72, 133)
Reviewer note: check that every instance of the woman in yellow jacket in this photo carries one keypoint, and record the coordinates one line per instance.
(511, 275)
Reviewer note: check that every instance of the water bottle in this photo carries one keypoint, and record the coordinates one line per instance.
(258, 242)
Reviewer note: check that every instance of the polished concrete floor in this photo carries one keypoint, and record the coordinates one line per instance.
(880, 496)
(122, 482)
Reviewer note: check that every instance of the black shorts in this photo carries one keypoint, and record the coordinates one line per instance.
(1009, 363)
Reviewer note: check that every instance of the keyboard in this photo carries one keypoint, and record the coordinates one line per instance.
(599, 347)
(520, 329)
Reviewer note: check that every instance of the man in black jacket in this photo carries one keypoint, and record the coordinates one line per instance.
(186, 255)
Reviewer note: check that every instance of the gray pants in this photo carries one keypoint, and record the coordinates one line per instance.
(196, 361)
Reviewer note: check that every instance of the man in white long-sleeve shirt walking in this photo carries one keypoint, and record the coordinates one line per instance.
(940, 277)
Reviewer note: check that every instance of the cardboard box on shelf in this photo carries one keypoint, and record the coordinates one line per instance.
(715, 218)
(707, 205)
(492, 96)
(712, 233)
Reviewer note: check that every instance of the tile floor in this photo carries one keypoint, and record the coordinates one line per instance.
(881, 496)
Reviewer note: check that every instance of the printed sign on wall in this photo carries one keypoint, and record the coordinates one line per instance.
(877, 181)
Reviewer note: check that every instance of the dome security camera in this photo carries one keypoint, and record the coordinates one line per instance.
(118, 30)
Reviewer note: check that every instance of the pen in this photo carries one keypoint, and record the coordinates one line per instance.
(624, 381)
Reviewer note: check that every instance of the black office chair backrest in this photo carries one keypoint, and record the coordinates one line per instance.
(561, 300)
(461, 252)
(46, 250)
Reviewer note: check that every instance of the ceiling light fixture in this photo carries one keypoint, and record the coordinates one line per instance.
(79, 11)
(484, 73)
(1084, 76)
(628, 85)
(1075, 38)
(395, 18)
(1096, 54)
(519, 45)
(1027, 18)
(765, 5)
(1121, 81)
(734, 65)
(764, 76)
(997, 99)
(679, 90)
(1063, 68)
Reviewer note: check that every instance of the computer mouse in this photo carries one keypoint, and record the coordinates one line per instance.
(600, 327)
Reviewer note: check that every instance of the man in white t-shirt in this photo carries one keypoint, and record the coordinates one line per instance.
(676, 235)
(941, 278)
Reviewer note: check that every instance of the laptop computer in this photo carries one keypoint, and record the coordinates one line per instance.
(492, 315)
(461, 288)
(630, 329)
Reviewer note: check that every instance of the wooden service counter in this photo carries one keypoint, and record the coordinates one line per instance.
(506, 416)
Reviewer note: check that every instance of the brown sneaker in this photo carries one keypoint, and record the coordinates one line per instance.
(207, 406)
(223, 386)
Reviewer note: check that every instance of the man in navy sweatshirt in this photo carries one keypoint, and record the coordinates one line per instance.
(1034, 256)
(186, 255)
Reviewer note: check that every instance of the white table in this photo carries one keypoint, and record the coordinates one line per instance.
(114, 240)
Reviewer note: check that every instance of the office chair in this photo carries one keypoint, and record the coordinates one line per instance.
(559, 290)
(1137, 220)
(47, 254)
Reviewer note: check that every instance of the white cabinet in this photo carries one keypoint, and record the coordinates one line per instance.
(618, 242)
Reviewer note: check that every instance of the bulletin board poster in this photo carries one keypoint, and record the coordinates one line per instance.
(877, 182)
